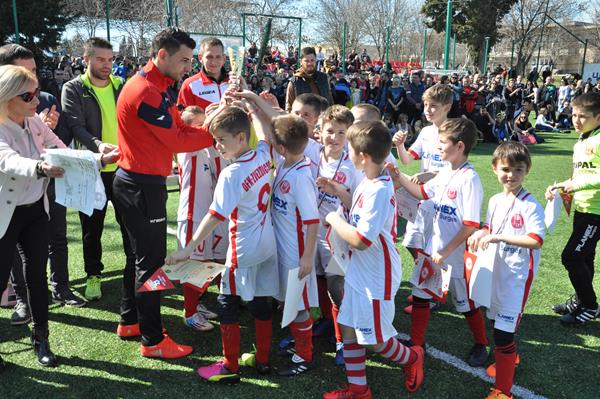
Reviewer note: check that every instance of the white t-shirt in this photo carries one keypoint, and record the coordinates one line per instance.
(426, 149)
(515, 267)
(312, 152)
(376, 271)
(293, 207)
(242, 195)
(457, 196)
(342, 171)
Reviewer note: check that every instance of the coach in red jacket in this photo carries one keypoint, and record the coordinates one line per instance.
(149, 132)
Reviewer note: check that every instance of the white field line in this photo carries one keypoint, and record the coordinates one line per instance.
(477, 372)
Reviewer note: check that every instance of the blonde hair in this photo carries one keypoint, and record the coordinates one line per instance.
(14, 81)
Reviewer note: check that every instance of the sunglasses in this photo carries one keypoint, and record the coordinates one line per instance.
(29, 96)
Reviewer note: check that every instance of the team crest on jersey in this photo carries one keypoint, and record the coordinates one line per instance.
(359, 203)
(517, 221)
(393, 200)
(340, 177)
(285, 186)
(452, 193)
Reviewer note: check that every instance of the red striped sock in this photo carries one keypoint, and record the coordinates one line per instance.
(263, 331)
(477, 326)
(506, 357)
(324, 300)
(355, 357)
(419, 319)
(302, 333)
(230, 339)
(335, 310)
(396, 352)
(190, 300)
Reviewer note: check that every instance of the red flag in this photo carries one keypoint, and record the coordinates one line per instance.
(426, 268)
(157, 282)
(567, 200)
(470, 259)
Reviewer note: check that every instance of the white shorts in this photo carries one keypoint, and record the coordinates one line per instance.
(253, 281)
(310, 294)
(422, 227)
(504, 321)
(213, 247)
(458, 290)
(372, 319)
(323, 253)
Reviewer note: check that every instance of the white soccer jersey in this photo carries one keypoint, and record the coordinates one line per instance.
(313, 152)
(293, 207)
(196, 185)
(515, 267)
(242, 195)
(342, 171)
(456, 197)
(426, 149)
(376, 271)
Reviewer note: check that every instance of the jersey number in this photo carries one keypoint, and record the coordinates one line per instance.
(263, 198)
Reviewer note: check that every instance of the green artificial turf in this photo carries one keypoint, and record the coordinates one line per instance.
(556, 362)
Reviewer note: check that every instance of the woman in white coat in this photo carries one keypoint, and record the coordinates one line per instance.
(24, 207)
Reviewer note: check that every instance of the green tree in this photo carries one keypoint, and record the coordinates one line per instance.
(472, 21)
(41, 23)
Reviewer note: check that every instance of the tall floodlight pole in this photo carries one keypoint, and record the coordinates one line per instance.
(15, 21)
(423, 56)
(485, 57)
(537, 63)
(453, 50)
(585, 46)
(344, 34)
(448, 31)
(387, 45)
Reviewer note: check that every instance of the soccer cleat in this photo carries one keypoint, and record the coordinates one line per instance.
(249, 360)
(579, 316)
(297, 366)
(491, 369)
(286, 342)
(128, 331)
(478, 355)
(198, 322)
(495, 393)
(93, 288)
(413, 373)
(347, 393)
(209, 315)
(166, 349)
(68, 298)
(218, 373)
(21, 315)
(567, 307)
(339, 354)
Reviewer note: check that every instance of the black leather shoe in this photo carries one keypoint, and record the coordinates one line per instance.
(41, 347)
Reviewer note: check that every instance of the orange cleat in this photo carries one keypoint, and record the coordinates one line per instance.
(498, 394)
(413, 373)
(166, 349)
(491, 370)
(129, 330)
(347, 393)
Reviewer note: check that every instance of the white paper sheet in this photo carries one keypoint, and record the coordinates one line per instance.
(480, 284)
(427, 277)
(81, 187)
(552, 211)
(406, 205)
(194, 272)
(340, 253)
(293, 295)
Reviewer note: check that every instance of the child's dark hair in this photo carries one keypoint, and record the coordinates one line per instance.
(589, 102)
(291, 132)
(338, 113)
(318, 103)
(512, 152)
(371, 138)
(232, 120)
(460, 129)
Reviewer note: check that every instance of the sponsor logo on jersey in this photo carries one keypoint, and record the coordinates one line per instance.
(505, 317)
(446, 213)
(584, 165)
(340, 177)
(205, 92)
(279, 203)
(433, 157)
(452, 193)
(366, 331)
(206, 167)
(285, 186)
(517, 221)
(589, 233)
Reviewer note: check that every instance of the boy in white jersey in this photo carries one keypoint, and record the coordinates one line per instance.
(374, 270)
(515, 220)
(337, 180)
(242, 196)
(456, 194)
(198, 173)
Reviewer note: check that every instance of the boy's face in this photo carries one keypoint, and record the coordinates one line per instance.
(333, 136)
(585, 121)
(434, 111)
(448, 150)
(356, 158)
(510, 176)
(306, 112)
(229, 146)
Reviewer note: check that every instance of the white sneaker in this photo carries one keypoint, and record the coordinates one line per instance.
(198, 322)
(205, 312)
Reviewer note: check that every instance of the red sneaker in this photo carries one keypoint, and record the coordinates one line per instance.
(413, 373)
(498, 394)
(347, 393)
(166, 349)
(129, 330)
